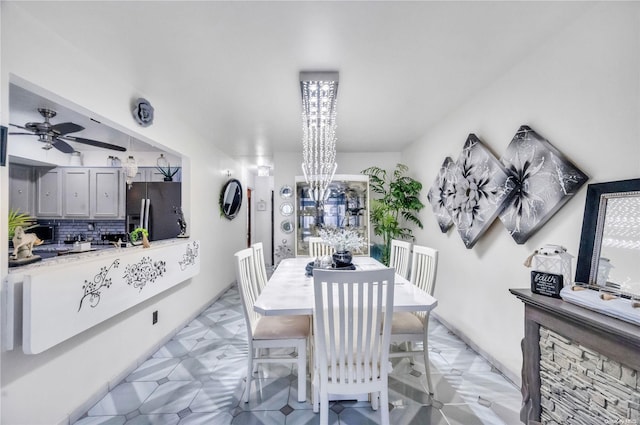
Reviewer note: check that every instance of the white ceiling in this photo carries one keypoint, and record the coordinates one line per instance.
(231, 68)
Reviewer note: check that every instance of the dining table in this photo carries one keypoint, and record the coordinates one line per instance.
(289, 291)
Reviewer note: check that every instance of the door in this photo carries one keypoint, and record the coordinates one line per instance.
(105, 194)
(48, 193)
(76, 193)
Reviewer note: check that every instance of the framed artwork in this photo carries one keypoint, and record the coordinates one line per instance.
(544, 180)
(479, 187)
(438, 194)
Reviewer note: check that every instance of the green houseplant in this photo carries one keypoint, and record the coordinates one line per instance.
(24, 220)
(399, 204)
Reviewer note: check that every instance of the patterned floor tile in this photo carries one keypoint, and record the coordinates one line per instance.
(198, 378)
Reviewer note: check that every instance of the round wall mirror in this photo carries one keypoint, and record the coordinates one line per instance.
(286, 208)
(286, 192)
(231, 199)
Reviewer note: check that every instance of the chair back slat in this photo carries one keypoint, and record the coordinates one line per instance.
(261, 268)
(350, 309)
(318, 248)
(424, 269)
(400, 256)
(246, 278)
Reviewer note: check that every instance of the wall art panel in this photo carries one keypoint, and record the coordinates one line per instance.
(438, 194)
(544, 180)
(479, 187)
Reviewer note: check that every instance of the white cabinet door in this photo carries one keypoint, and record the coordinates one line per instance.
(105, 193)
(21, 188)
(48, 193)
(76, 192)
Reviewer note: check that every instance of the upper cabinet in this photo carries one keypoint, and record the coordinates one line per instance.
(76, 192)
(346, 207)
(75, 196)
(22, 189)
(49, 192)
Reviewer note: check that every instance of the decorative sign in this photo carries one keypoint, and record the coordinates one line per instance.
(546, 284)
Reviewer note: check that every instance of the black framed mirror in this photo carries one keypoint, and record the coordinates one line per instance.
(231, 199)
(609, 255)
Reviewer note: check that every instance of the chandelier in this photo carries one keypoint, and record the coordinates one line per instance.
(319, 92)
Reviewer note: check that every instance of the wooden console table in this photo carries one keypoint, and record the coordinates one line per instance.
(612, 338)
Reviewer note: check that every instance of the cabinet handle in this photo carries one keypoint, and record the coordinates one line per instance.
(106, 195)
(20, 191)
(75, 194)
(46, 194)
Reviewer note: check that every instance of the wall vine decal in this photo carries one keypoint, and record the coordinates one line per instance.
(93, 289)
(189, 257)
(143, 272)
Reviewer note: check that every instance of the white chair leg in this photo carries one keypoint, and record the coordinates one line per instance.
(425, 347)
(324, 408)
(375, 400)
(302, 371)
(249, 374)
(315, 393)
(384, 407)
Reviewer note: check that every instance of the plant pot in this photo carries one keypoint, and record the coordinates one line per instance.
(342, 259)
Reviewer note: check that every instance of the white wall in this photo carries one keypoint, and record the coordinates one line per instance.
(46, 388)
(580, 90)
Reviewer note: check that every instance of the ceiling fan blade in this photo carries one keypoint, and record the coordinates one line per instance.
(18, 126)
(19, 134)
(94, 143)
(62, 146)
(66, 128)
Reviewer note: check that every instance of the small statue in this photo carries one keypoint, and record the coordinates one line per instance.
(23, 244)
(181, 222)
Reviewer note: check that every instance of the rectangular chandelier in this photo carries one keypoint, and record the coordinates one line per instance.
(319, 92)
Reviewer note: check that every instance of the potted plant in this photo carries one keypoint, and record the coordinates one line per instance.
(168, 172)
(139, 236)
(399, 200)
(24, 220)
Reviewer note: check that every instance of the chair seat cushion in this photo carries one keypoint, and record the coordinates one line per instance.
(405, 322)
(282, 327)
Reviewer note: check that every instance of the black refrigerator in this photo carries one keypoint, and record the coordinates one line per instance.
(153, 206)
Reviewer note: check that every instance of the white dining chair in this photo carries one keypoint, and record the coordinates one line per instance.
(319, 248)
(265, 332)
(261, 268)
(400, 257)
(351, 352)
(411, 327)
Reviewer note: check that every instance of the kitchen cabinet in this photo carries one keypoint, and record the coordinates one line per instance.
(48, 192)
(21, 189)
(105, 188)
(75, 193)
(78, 192)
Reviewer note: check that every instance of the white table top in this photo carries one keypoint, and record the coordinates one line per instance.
(290, 292)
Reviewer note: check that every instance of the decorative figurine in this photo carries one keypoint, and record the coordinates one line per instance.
(181, 222)
(23, 244)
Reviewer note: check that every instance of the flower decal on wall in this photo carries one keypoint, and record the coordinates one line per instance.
(143, 112)
(439, 193)
(93, 289)
(544, 180)
(479, 187)
(143, 272)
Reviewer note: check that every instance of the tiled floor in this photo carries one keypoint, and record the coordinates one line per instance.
(198, 378)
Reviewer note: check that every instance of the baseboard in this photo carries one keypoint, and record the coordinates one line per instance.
(79, 412)
(514, 379)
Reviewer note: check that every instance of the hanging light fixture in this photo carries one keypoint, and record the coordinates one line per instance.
(130, 168)
(319, 93)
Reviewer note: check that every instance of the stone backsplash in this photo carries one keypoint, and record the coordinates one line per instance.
(582, 387)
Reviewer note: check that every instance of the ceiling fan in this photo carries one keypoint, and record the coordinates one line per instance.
(54, 135)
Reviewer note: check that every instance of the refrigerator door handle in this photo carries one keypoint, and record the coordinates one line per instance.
(142, 204)
(146, 214)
